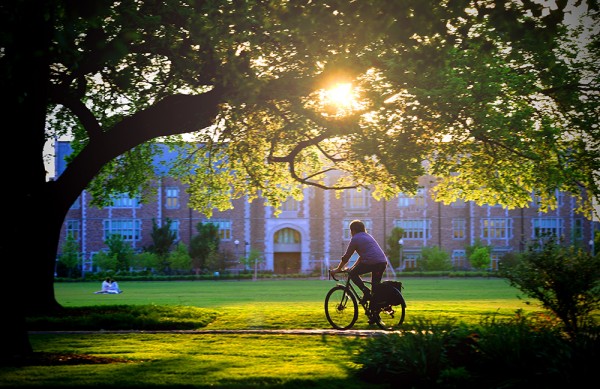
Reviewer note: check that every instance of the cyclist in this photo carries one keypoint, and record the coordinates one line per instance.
(371, 258)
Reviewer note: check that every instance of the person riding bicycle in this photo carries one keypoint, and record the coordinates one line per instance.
(371, 258)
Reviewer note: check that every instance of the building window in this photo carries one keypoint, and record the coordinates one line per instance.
(404, 200)
(537, 199)
(547, 227)
(418, 200)
(459, 229)
(458, 203)
(129, 229)
(174, 227)
(410, 261)
(560, 199)
(577, 229)
(287, 236)
(496, 228)
(346, 227)
(290, 205)
(494, 259)
(73, 229)
(415, 228)
(459, 259)
(172, 197)
(123, 200)
(224, 226)
(356, 199)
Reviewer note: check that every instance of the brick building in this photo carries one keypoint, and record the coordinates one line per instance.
(311, 235)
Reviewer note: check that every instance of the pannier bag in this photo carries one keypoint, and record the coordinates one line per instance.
(388, 293)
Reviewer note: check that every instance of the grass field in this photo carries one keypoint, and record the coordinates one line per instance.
(242, 360)
(298, 303)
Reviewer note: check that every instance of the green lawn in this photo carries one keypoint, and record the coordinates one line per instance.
(299, 303)
(242, 360)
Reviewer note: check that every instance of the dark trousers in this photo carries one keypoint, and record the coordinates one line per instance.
(376, 271)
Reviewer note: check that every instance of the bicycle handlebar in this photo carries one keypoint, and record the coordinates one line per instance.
(332, 275)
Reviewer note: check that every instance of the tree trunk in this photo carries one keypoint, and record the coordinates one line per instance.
(24, 246)
(41, 265)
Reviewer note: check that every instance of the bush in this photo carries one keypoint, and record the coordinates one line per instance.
(435, 259)
(479, 255)
(123, 317)
(420, 358)
(566, 280)
(516, 353)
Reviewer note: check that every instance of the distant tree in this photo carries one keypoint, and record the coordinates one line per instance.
(203, 246)
(146, 261)
(179, 258)
(478, 255)
(393, 247)
(105, 261)
(163, 239)
(70, 256)
(229, 259)
(434, 258)
(118, 256)
(565, 279)
(480, 259)
(252, 260)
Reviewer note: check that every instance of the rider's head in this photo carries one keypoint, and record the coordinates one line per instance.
(357, 226)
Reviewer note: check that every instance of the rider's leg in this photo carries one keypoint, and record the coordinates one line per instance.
(355, 273)
(377, 274)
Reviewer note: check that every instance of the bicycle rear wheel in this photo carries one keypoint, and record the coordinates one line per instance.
(389, 317)
(341, 308)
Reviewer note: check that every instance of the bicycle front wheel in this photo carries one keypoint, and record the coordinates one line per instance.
(341, 308)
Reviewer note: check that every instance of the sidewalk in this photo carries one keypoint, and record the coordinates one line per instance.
(359, 333)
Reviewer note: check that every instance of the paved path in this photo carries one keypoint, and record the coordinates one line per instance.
(361, 333)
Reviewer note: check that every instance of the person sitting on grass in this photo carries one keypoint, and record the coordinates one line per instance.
(106, 284)
(114, 287)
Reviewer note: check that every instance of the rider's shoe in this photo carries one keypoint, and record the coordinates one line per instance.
(372, 319)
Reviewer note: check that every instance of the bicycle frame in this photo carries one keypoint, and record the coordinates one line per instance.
(350, 286)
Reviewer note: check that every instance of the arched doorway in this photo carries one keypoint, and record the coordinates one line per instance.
(286, 251)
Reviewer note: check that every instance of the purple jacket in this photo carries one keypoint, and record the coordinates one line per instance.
(367, 248)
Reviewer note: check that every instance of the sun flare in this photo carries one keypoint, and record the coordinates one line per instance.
(340, 95)
(339, 100)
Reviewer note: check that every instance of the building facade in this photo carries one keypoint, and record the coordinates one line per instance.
(310, 236)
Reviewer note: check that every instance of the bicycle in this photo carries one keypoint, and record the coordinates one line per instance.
(341, 305)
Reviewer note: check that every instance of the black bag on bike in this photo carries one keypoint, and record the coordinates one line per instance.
(388, 293)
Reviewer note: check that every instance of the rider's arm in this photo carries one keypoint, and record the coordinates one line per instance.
(346, 257)
(340, 266)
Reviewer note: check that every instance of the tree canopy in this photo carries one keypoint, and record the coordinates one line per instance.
(496, 101)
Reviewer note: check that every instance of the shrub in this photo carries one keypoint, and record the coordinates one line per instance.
(517, 353)
(415, 358)
(566, 280)
(434, 258)
(124, 317)
(478, 255)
